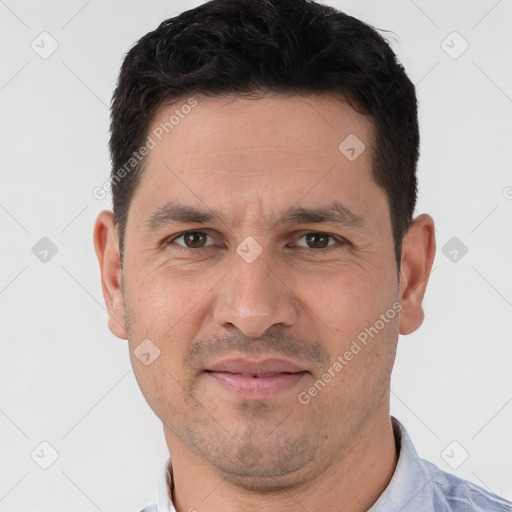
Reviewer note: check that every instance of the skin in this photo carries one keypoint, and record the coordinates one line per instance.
(251, 160)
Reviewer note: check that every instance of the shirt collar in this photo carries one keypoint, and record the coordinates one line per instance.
(410, 485)
(164, 501)
(410, 488)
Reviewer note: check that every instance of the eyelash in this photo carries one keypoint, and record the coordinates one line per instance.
(338, 239)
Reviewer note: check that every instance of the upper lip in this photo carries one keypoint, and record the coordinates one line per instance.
(250, 367)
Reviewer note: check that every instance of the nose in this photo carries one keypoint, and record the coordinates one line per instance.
(254, 297)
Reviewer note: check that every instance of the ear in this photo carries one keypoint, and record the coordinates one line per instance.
(107, 251)
(418, 251)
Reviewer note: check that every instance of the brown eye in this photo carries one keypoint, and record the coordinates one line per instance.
(192, 240)
(316, 240)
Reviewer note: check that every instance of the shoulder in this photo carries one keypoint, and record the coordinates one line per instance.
(453, 493)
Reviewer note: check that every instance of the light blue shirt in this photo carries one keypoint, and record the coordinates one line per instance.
(416, 486)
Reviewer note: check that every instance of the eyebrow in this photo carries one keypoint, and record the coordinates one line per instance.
(336, 214)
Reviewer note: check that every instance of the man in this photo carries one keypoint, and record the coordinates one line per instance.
(262, 259)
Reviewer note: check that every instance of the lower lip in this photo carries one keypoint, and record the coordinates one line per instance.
(256, 387)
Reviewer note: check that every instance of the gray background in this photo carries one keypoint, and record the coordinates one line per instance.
(67, 381)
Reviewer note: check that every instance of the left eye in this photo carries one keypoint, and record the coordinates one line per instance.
(316, 240)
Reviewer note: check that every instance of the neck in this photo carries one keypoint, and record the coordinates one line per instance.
(352, 482)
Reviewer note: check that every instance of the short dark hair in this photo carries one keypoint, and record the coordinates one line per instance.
(239, 47)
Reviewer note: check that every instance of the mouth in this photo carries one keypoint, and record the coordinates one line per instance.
(256, 379)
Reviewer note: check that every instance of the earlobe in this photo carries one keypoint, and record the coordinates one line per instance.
(107, 251)
(418, 252)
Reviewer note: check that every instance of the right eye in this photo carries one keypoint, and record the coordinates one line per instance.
(190, 240)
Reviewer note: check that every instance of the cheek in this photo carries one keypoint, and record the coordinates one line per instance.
(163, 300)
(346, 300)
(164, 311)
(361, 345)
(169, 311)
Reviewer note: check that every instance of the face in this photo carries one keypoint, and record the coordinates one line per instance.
(259, 267)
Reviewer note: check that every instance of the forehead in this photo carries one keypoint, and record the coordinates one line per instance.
(281, 126)
(265, 152)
